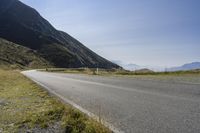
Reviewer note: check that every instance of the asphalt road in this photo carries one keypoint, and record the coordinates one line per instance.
(130, 105)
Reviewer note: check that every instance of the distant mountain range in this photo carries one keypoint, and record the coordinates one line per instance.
(23, 25)
(134, 67)
(129, 66)
(189, 66)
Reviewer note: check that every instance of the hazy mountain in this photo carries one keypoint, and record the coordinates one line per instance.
(189, 66)
(144, 70)
(132, 67)
(129, 66)
(23, 25)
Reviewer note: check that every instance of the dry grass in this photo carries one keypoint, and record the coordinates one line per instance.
(25, 106)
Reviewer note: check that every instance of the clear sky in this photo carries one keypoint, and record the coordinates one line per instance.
(145, 32)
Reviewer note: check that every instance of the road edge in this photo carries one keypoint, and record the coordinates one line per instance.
(65, 100)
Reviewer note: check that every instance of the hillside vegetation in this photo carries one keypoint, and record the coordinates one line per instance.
(16, 56)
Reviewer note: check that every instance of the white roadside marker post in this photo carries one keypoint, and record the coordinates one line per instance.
(97, 70)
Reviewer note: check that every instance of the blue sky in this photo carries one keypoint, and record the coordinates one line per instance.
(145, 32)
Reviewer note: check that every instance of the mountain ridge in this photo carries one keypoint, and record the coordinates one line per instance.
(33, 31)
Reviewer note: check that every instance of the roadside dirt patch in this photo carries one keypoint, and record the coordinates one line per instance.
(3, 102)
(52, 128)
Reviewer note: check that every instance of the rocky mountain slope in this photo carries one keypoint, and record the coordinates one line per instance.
(23, 25)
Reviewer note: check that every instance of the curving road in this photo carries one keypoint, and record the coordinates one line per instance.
(131, 105)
